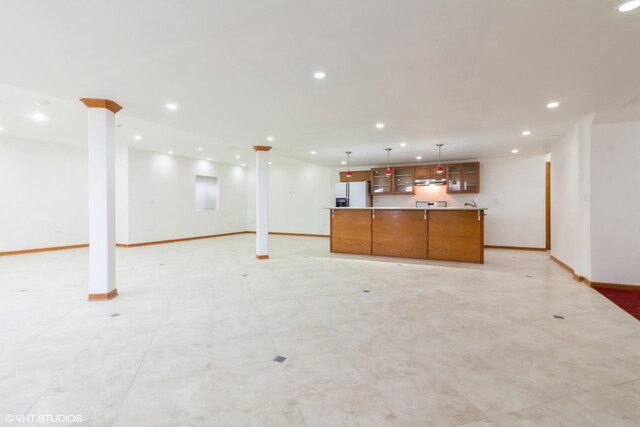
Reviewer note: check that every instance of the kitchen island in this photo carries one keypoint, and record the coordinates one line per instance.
(447, 234)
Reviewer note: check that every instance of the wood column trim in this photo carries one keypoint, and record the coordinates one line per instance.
(261, 148)
(101, 103)
(103, 297)
(262, 257)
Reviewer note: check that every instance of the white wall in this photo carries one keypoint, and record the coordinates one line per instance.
(299, 192)
(615, 203)
(122, 194)
(513, 190)
(44, 195)
(564, 197)
(570, 198)
(162, 197)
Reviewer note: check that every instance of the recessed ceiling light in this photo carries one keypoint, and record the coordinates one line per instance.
(319, 75)
(170, 152)
(629, 6)
(380, 125)
(526, 132)
(514, 151)
(314, 152)
(418, 157)
(172, 107)
(199, 148)
(403, 144)
(237, 156)
(269, 138)
(209, 158)
(553, 104)
(39, 117)
(0, 128)
(137, 137)
(270, 163)
(244, 165)
(343, 162)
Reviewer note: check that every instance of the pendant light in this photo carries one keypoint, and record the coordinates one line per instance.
(348, 174)
(388, 171)
(440, 168)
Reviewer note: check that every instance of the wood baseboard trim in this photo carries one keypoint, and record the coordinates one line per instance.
(515, 248)
(619, 286)
(103, 297)
(183, 239)
(54, 248)
(562, 264)
(591, 284)
(279, 233)
(261, 257)
(158, 242)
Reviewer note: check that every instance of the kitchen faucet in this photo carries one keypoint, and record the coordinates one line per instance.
(472, 204)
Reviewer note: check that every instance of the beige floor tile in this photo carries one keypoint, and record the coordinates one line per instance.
(425, 400)
(191, 338)
(250, 384)
(283, 412)
(353, 406)
(319, 372)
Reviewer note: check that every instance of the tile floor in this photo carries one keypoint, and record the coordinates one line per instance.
(199, 324)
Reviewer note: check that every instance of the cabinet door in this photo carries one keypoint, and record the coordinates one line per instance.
(456, 235)
(423, 172)
(403, 181)
(401, 233)
(380, 183)
(471, 177)
(454, 178)
(351, 231)
(356, 176)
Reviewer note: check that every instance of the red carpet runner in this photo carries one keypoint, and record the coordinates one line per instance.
(629, 301)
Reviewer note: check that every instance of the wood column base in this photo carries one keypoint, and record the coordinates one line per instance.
(259, 257)
(103, 297)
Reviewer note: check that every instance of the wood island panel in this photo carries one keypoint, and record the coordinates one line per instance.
(400, 233)
(351, 231)
(456, 236)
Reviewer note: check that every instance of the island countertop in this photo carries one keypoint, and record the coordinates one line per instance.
(466, 208)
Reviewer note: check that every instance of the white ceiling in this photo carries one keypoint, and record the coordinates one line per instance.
(471, 74)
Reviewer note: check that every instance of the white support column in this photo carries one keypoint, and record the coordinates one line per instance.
(102, 225)
(262, 204)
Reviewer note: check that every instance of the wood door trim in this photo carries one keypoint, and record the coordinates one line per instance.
(548, 206)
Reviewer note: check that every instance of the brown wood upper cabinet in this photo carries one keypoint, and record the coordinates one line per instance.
(423, 172)
(356, 176)
(463, 178)
(403, 180)
(381, 183)
(427, 172)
